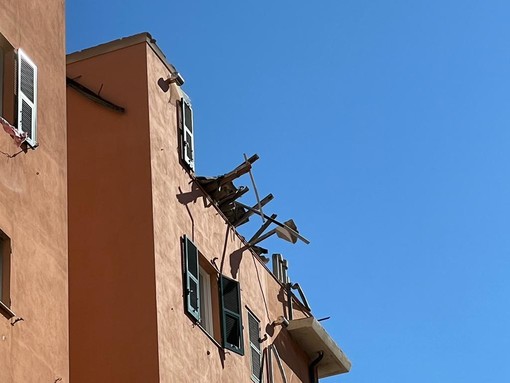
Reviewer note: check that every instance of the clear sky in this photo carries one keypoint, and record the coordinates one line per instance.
(383, 129)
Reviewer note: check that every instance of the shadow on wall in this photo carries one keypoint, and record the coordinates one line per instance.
(193, 195)
(284, 300)
(163, 84)
(288, 351)
(185, 198)
(235, 262)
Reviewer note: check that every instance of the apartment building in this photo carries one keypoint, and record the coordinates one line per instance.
(33, 190)
(162, 286)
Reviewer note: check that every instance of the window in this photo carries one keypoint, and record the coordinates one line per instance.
(254, 329)
(5, 268)
(192, 292)
(18, 92)
(187, 141)
(231, 315)
(27, 97)
(201, 291)
(216, 310)
(206, 317)
(7, 81)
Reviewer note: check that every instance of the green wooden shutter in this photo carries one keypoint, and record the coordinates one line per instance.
(191, 277)
(232, 326)
(254, 329)
(187, 134)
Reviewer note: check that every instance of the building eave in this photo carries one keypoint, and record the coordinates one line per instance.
(309, 334)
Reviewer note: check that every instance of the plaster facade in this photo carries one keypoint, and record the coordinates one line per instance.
(33, 211)
(131, 201)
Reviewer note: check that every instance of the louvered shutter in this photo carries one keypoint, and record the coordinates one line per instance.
(188, 155)
(231, 315)
(27, 97)
(191, 276)
(254, 329)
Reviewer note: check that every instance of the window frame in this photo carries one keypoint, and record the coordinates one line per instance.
(210, 300)
(24, 99)
(18, 93)
(207, 297)
(5, 277)
(232, 287)
(8, 81)
(206, 309)
(191, 278)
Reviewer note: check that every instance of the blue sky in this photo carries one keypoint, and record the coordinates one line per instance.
(383, 130)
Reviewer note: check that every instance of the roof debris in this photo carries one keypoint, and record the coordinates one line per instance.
(225, 194)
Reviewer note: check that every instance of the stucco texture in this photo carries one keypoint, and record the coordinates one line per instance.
(131, 202)
(186, 353)
(33, 207)
(111, 263)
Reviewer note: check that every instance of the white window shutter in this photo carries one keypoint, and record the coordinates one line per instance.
(188, 154)
(27, 97)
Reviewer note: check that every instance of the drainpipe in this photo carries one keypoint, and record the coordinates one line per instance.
(288, 287)
(313, 368)
(270, 365)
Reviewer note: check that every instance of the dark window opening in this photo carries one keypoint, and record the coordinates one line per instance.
(231, 314)
(5, 275)
(18, 94)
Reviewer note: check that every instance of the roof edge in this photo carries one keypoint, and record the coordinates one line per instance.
(121, 43)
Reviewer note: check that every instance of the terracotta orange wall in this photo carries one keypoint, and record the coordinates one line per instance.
(33, 210)
(186, 354)
(131, 201)
(111, 268)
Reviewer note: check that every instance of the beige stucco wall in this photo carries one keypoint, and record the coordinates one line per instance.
(33, 211)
